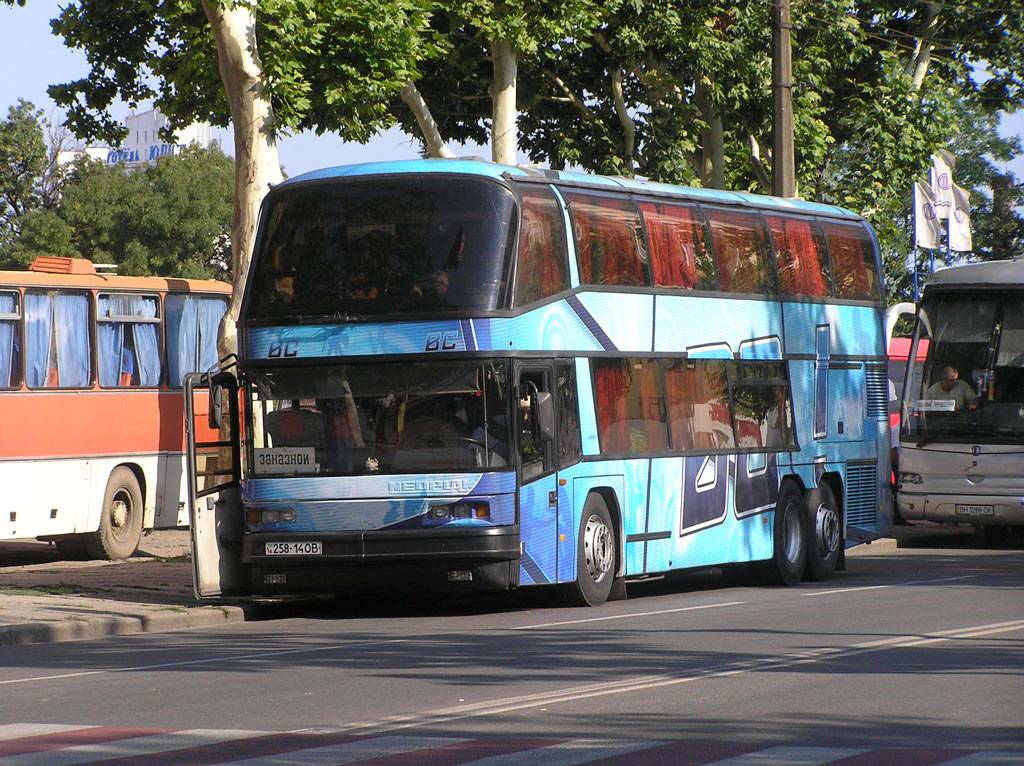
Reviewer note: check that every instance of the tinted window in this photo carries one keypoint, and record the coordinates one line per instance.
(800, 256)
(853, 261)
(678, 237)
(384, 245)
(698, 404)
(543, 268)
(630, 405)
(742, 251)
(608, 235)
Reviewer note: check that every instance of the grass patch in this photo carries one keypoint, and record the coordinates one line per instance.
(60, 589)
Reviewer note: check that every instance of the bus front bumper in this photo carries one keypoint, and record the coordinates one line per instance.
(436, 560)
(998, 510)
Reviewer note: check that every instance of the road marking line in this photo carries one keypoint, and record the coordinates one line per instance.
(625, 616)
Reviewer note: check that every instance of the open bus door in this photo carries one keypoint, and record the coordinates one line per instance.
(214, 474)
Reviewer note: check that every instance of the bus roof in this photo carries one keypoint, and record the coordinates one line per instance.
(987, 274)
(639, 186)
(81, 273)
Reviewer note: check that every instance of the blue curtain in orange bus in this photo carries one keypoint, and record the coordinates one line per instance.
(147, 344)
(187, 341)
(38, 333)
(74, 356)
(7, 328)
(211, 311)
(109, 341)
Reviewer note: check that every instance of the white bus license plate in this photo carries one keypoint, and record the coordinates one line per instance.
(295, 548)
(975, 510)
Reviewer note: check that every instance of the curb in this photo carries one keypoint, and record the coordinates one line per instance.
(83, 624)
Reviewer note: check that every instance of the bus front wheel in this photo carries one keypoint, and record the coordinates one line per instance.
(786, 566)
(824, 533)
(595, 555)
(120, 526)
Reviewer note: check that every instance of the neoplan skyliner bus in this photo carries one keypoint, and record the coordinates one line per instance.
(962, 432)
(459, 375)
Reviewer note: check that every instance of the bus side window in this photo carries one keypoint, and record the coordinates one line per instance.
(57, 339)
(543, 268)
(534, 453)
(608, 239)
(10, 340)
(853, 261)
(742, 251)
(800, 256)
(680, 253)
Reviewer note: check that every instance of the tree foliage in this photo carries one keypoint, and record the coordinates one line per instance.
(170, 218)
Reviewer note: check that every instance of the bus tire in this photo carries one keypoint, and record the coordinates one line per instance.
(824, 533)
(786, 566)
(120, 519)
(595, 554)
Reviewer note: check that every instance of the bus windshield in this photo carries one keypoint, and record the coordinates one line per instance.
(363, 419)
(970, 384)
(379, 246)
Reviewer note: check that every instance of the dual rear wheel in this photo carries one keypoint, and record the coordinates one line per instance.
(807, 536)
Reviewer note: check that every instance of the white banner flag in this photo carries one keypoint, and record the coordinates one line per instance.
(942, 183)
(960, 221)
(927, 229)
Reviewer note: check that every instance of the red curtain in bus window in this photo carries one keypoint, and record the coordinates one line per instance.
(742, 251)
(650, 431)
(607, 232)
(543, 268)
(611, 380)
(800, 256)
(853, 261)
(698, 401)
(676, 236)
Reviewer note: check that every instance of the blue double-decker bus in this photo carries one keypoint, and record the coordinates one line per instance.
(458, 375)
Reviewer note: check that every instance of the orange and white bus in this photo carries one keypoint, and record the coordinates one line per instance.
(91, 424)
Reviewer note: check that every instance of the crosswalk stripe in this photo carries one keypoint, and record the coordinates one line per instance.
(70, 745)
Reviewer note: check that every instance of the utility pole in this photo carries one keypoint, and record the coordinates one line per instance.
(783, 161)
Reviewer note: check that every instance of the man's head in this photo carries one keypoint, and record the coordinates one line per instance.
(949, 377)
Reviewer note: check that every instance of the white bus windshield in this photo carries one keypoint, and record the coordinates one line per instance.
(379, 246)
(970, 385)
(363, 419)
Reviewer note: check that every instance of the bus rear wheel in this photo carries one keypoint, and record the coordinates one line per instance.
(786, 566)
(595, 555)
(824, 533)
(120, 526)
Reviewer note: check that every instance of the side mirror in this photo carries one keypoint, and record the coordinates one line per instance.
(218, 383)
(544, 407)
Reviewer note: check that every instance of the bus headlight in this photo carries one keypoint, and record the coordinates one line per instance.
(911, 478)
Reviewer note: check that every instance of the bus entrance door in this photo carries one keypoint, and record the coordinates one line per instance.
(214, 497)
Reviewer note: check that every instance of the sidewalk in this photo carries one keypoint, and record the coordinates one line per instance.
(45, 598)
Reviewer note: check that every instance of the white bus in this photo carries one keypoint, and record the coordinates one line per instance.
(962, 431)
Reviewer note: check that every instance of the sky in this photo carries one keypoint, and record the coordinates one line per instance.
(32, 58)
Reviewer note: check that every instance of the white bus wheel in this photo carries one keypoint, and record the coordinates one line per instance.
(120, 526)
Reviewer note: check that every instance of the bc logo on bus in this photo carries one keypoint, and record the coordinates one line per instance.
(442, 341)
(278, 349)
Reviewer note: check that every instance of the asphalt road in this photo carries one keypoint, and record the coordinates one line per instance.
(915, 654)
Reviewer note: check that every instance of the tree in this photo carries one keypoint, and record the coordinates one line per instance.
(170, 218)
(265, 67)
(30, 175)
